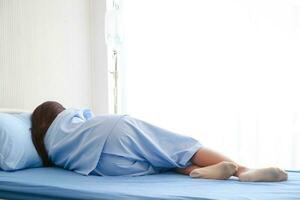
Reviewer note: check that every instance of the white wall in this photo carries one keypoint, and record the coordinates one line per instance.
(100, 102)
(46, 53)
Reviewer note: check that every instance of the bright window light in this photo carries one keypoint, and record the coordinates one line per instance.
(226, 72)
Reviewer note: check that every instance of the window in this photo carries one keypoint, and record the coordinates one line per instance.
(223, 71)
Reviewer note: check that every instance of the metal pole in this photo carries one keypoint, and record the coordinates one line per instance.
(115, 76)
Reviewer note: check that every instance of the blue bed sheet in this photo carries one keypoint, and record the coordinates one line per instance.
(56, 183)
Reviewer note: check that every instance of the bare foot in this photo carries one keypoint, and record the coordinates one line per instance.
(221, 171)
(270, 174)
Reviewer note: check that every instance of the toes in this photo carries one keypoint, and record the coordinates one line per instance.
(284, 177)
(279, 174)
(194, 173)
(231, 167)
(282, 174)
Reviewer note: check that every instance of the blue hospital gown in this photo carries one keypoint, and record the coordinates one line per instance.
(112, 145)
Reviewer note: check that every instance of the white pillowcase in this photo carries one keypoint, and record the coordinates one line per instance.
(16, 148)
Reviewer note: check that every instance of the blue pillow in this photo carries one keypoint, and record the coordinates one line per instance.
(16, 148)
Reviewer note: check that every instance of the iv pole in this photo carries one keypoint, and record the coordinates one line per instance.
(115, 78)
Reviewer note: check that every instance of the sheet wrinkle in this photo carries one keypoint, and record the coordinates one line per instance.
(154, 149)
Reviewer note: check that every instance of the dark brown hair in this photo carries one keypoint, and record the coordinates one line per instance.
(41, 119)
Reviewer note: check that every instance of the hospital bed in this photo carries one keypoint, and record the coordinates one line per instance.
(57, 183)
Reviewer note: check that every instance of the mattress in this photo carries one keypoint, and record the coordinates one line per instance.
(56, 183)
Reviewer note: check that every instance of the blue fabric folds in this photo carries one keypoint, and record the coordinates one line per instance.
(75, 139)
(136, 148)
(115, 145)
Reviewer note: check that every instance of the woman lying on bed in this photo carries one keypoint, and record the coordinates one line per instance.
(113, 145)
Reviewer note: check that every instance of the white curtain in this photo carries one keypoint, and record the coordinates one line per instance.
(226, 72)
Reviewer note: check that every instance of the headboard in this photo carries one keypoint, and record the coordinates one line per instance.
(12, 111)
